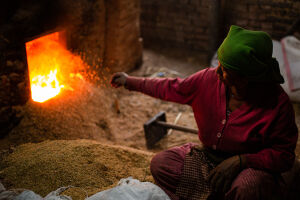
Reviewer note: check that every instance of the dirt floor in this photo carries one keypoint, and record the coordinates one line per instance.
(103, 114)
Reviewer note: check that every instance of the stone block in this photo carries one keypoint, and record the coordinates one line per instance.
(262, 17)
(266, 7)
(254, 8)
(240, 8)
(296, 5)
(280, 27)
(253, 16)
(242, 22)
(197, 3)
(267, 26)
(15, 78)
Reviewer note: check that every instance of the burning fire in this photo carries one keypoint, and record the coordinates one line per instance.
(44, 87)
(52, 68)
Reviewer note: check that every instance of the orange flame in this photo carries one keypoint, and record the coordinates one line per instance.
(51, 66)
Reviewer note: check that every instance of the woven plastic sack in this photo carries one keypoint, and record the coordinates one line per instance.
(131, 189)
(55, 195)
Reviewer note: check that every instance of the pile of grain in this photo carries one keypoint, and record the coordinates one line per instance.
(86, 164)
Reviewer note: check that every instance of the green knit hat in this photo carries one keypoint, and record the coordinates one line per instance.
(250, 54)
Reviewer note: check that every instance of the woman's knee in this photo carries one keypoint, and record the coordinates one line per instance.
(169, 162)
(156, 162)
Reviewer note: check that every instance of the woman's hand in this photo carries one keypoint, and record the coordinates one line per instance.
(118, 79)
(222, 176)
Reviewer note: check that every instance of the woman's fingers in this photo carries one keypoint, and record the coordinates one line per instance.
(114, 77)
(115, 85)
(114, 82)
(118, 79)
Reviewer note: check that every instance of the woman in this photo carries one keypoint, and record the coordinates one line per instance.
(245, 120)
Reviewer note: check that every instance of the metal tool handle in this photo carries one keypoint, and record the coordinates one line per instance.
(175, 127)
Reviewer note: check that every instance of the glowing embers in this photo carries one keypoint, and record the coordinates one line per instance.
(44, 87)
(52, 68)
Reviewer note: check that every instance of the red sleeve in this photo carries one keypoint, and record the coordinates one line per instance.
(170, 89)
(279, 155)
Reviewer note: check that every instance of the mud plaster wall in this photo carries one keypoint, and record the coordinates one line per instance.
(202, 24)
(106, 32)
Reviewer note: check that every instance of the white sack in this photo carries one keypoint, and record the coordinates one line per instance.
(131, 189)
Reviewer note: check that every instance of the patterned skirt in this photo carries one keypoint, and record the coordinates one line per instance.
(194, 184)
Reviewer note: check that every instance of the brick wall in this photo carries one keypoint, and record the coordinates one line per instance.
(177, 23)
(274, 17)
(195, 25)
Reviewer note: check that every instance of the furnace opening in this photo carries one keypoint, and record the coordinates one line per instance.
(52, 68)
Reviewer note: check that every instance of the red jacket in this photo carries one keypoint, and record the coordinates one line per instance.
(266, 136)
